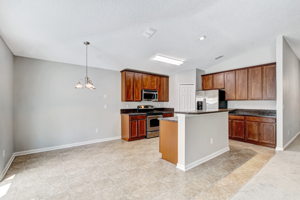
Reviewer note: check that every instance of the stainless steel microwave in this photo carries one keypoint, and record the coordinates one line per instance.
(149, 95)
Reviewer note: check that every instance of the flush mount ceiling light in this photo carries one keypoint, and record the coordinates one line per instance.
(202, 37)
(169, 60)
(87, 81)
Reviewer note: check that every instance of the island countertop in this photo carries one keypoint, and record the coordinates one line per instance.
(198, 112)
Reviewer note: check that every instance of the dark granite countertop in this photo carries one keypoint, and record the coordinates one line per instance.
(173, 119)
(198, 112)
(253, 112)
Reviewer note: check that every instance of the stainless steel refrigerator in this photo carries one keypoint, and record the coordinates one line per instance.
(210, 99)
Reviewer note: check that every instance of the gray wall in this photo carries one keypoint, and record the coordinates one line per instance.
(6, 108)
(291, 93)
(49, 111)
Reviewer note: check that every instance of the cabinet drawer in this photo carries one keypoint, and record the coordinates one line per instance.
(261, 119)
(137, 117)
(168, 115)
(236, 117)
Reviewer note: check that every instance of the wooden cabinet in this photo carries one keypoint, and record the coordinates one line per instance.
(133, 127)
(267, 134)
(251, 83)
(207, 82)
(218, 81)
(137, 82)
(163, 89)
(257, 130)
(238, 128)
(252, 131)
(229, 85)
(150, 82)
(133, 82)
(127, 86)
(168, 114)
(241, 84)
(255, 83)
(269, 82)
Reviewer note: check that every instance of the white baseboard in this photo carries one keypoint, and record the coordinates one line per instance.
(202, 160)
(8, 164)
(21, 153)
(291, 140)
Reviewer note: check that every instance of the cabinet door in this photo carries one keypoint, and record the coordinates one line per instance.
(150, 82)
(134, 128)
(127, 86)
(241, 84)
(207, 82)
(230, 85)
(218, 81)
(238, 129)
(141, 128)
(252, 131)
(255, 83)
(268, 134)
(269, 82)
(137, 86)
(163, 88)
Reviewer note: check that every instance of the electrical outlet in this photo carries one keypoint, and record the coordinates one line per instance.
(3, 153)
(211, 140)
(105, 96)
(105, 106)
(97, 130)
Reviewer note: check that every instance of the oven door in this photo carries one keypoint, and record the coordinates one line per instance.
(153, 123)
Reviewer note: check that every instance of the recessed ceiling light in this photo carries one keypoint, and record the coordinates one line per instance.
(202, 37)
(169, 60)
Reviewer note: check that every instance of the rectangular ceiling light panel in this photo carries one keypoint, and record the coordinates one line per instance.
(169, 60)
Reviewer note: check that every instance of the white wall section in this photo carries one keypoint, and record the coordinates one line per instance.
(288, 93)
(6, 106)
(49, 111)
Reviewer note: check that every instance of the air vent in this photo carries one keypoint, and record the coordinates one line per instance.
(149, 33)
(219, 57)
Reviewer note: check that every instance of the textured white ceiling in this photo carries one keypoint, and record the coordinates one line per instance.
(55, 30)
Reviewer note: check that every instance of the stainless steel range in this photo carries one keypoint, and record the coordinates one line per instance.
(152, 120)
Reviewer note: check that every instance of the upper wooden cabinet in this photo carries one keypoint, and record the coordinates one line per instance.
(133, 82)
(241, 84)
(255, 83)
(250, 83)
(230, 85)
(207, 82)
(269, 82)
(127, 86)
(137, 82)
(150, 82)
(218, 81)
(163, 89)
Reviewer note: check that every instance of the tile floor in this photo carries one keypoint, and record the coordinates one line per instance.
(278, 180)
(129, 170)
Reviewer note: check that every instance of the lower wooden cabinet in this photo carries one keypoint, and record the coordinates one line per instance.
(256, 130)
(133, 127)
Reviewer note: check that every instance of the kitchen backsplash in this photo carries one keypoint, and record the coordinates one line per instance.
(269, 105)
(135, 104)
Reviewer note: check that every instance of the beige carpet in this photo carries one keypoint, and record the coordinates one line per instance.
(129, 170)
(278, 180)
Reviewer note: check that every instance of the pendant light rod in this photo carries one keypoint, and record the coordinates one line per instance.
(86, 43)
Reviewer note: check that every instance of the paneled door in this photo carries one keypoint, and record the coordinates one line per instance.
(187, 97)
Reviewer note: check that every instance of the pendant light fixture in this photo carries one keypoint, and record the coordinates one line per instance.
(87, 81)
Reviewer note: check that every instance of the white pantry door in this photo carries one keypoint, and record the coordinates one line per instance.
(187, 97)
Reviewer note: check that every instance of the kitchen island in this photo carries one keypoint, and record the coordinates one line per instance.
(194, 137)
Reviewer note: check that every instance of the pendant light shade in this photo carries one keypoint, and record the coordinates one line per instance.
(87, 81)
